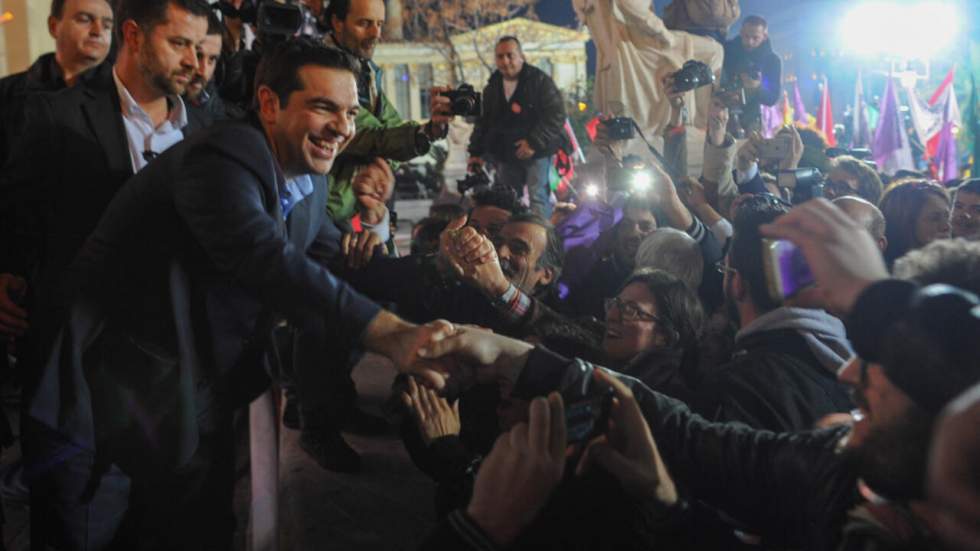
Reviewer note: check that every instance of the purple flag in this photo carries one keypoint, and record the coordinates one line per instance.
(947, 159)
(891, 144)
(860, 129)
(800, 116)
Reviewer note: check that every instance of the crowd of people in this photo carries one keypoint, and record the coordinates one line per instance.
(194, 209)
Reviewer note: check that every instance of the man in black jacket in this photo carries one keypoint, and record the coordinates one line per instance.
(520, 128)
(82, 32)
(751, 65)
(204, 105)
(100, 132)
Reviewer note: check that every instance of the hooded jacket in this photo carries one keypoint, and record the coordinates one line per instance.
(761, 59)
(782, 376)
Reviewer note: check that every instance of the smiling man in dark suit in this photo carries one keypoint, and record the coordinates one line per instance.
(175, 295)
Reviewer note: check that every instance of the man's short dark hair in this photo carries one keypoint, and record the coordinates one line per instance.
(502, 197)
(57, 8)
(746, 248)
(755, 21)
(279, 68)
(150, 13)
(511, 38)
(553, 256)
(338, 9)
(970, 186)
(869, 184)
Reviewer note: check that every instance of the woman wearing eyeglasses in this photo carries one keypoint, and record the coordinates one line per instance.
(652, 331)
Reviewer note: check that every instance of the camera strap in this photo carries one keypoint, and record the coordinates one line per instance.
(656, 154)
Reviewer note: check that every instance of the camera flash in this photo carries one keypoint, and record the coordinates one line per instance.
(641, 182)
(592, 190)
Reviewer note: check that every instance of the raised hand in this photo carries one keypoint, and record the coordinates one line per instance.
(433, 414)
(627, 451)
(842, 255)
(359, 248)
(521, 471)
(462, 248)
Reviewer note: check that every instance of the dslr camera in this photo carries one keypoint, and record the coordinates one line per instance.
(619, 128)
(805, 183)
(693, 74)
(465, 101)
(475, 179)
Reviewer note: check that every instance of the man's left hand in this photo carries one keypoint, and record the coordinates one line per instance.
(628, 451)
(359, 248)
(524, 150)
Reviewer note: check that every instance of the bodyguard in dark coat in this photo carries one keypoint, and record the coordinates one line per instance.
(175, 295)
(83, 143)
(82, 30)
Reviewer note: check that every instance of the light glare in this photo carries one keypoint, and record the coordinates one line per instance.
(914, 31)
(641, 182)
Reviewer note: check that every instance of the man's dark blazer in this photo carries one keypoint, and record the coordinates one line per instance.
(175, 294)
(72, 160)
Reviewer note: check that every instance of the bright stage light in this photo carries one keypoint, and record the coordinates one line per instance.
(592, 190)
(918, 30)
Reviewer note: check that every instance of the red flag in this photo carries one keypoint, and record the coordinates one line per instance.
(932, 146)
(591, 127)
(825, 115)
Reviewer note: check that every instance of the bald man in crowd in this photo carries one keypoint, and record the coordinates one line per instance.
(866, 214)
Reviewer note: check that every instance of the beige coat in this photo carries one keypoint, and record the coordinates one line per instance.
(635, 52)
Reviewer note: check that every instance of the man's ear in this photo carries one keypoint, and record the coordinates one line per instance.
(132, 34)
(547, 276)
(335, 23)
(52, 26)
(268, 102)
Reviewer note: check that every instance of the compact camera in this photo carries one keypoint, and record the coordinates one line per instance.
(620, 128)
(465, 101)
(475, 179)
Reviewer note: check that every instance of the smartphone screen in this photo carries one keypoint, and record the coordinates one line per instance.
(786, 269)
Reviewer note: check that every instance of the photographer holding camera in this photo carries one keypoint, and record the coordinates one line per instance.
(521, 125)
(752, 71)
(355, 27)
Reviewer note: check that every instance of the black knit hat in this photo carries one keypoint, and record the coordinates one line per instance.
(932, 351)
